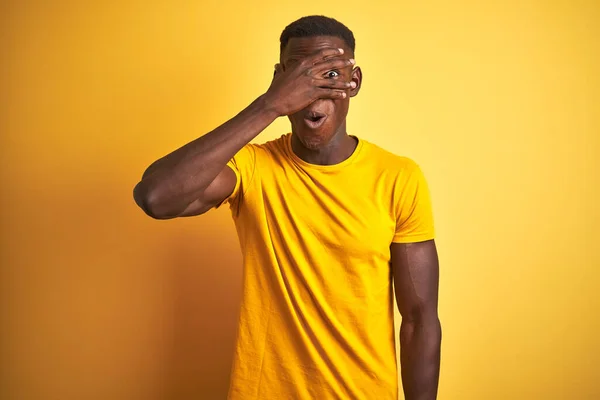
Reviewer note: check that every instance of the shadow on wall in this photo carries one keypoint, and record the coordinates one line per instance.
(204, 274)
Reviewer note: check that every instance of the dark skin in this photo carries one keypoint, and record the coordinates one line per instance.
(415, 269)
(316, 76)
(330, 144)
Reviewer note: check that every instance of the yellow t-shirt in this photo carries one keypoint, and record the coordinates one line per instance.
(316, 319)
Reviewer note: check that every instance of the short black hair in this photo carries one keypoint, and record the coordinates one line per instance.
(316, 25)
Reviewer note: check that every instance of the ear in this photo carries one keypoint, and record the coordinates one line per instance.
(357, 78)
(278, 69)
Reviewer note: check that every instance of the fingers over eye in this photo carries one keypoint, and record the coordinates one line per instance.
(334, 83)
(331, 93)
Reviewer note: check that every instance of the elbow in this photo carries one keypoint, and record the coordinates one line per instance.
(421, 322)
(421, 315)
(148, 200)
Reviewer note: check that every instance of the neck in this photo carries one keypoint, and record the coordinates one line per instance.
(339, 148)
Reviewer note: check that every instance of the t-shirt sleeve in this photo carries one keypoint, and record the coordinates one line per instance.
(243, 165)
(414, 215)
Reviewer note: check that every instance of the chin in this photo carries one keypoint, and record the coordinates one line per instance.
(312, 142)
(315, 140)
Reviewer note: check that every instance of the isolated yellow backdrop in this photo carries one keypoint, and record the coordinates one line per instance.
(498, 101)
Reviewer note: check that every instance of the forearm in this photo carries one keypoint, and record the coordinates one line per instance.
(182, 176)
(420, 343)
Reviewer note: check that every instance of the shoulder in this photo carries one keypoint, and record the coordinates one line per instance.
(272, 147)
(387, 161)
(271, 152)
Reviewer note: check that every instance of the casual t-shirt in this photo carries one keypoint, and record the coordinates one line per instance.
(316, 319)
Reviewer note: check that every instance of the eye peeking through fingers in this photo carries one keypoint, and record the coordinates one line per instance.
(332, 74)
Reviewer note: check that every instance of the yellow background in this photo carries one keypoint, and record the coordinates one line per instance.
(498, 101)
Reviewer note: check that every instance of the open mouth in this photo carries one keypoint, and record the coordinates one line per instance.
(314, 119)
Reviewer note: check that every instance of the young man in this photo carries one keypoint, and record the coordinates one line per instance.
(326, 221)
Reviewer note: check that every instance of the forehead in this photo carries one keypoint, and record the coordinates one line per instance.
(300, 47)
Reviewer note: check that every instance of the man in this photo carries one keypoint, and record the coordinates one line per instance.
(326, 221)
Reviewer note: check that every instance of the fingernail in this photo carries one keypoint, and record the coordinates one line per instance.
(352, 61)
(343, 94)
(341, 51)
(352, 84)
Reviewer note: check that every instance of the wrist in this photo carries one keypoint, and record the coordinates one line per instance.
(267, 106)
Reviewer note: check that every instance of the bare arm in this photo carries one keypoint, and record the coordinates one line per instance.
(181, 178)
(415, 269)
(194, 178)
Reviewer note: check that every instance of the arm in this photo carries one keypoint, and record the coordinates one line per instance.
(415, 269)
(194, 178)
(196, 174)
